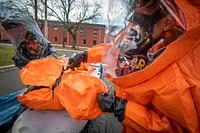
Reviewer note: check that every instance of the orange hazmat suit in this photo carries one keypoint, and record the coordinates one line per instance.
(163, 97)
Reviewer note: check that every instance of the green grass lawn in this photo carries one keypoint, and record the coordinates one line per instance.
(6, 54)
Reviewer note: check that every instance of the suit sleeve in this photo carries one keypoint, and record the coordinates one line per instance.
(51, 52)
(144, 119)
(95, 53)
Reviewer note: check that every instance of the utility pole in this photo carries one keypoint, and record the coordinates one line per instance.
(36, 17)
(46, 22)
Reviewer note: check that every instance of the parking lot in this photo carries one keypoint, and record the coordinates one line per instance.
(10, 81)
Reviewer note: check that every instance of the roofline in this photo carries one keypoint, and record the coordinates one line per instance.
(88, 25)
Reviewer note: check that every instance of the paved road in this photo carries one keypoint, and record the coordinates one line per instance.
(67, 53)
(10, 80)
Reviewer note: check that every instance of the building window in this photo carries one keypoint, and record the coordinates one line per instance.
(95, 32)
(94, 42)
(55, 39)
(65, 39)
(55, 28)
(84, 41)
(81, 31)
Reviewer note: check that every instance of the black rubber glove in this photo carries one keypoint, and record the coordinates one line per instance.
(112, 104)
(76, 59)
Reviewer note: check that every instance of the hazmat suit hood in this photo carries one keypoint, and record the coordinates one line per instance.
(124, 34)
(20, 27)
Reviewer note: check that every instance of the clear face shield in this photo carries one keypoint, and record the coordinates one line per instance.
(33, 46)
(25, 35)
(131, 34)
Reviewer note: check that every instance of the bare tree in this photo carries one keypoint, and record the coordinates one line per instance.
(72, 13)
(36, 14)
(31, 6)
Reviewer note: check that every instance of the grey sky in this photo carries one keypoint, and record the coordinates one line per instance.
(104, 8)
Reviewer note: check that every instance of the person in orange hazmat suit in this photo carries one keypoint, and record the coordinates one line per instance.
(151, 54)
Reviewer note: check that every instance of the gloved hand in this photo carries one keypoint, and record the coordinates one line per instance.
(19, 61)
(110, 103)
(76, 59)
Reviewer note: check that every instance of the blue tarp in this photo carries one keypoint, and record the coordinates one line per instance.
(9, 106)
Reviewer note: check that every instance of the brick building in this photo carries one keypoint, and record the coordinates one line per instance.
(3, 34)
(88, 35)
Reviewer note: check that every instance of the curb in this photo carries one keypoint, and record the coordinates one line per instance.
(7, 68)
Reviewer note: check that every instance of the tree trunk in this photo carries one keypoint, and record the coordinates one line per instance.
(63, 38)
(41, 25)
(74, 40)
